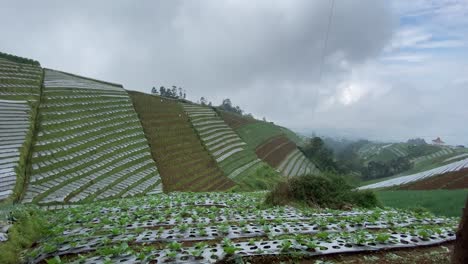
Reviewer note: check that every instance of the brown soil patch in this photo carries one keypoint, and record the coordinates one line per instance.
(451, 180)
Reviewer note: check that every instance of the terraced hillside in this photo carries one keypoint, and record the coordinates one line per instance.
(231, 153)
(20, 84)
(89, 145)
(184, 163)
(425, 154)
(382, 151)
(273, 144)
(450, 176)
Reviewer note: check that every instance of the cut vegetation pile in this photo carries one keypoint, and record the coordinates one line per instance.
(183, 161)
(20, 83)
(89, 144)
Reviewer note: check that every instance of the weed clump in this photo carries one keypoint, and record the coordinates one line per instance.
(324, 191)
(28, 226)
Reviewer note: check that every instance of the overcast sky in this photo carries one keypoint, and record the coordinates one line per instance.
(391, 70)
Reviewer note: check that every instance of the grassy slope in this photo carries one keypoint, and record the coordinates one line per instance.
(184, 164)
(257, 133)
(238, 122)
(440, 202)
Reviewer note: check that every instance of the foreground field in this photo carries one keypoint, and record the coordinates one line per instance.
(208, 227)
(439, 202)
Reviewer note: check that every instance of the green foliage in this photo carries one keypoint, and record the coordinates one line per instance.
(28, 227)
(55, 260)
(316, 151)
(19, 59)
(382, 237)
(326, 190)
(226, 105)
(174, 92)
(285, 245)
(381, 169)
(174, 246)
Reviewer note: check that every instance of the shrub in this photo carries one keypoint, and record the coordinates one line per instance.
(28, 227)
(326, 190)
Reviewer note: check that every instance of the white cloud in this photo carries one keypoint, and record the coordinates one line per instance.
(265, 56)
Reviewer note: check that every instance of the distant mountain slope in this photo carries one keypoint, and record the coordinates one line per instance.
(89, 144)
(20, 83)
(372, 151)
(184, 163)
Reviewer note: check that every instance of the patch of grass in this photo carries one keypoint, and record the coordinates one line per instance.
(439, 202)
(28, 227)
(325, 191)
(256, 133)
(261, 177)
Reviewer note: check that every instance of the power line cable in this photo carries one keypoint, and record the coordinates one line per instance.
(324, 50)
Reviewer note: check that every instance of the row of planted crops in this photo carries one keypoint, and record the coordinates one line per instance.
(208, 227)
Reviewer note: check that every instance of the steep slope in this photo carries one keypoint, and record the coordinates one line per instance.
(20, 82)
(233, 156)
(273, 144)
(184, 163)
(89, 145)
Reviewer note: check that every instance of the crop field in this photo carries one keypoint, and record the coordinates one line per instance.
(208, 227)
(231, 153)
(459, 181)
(20, 85)
(183, 161)
(440, 202)
(89, 144)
